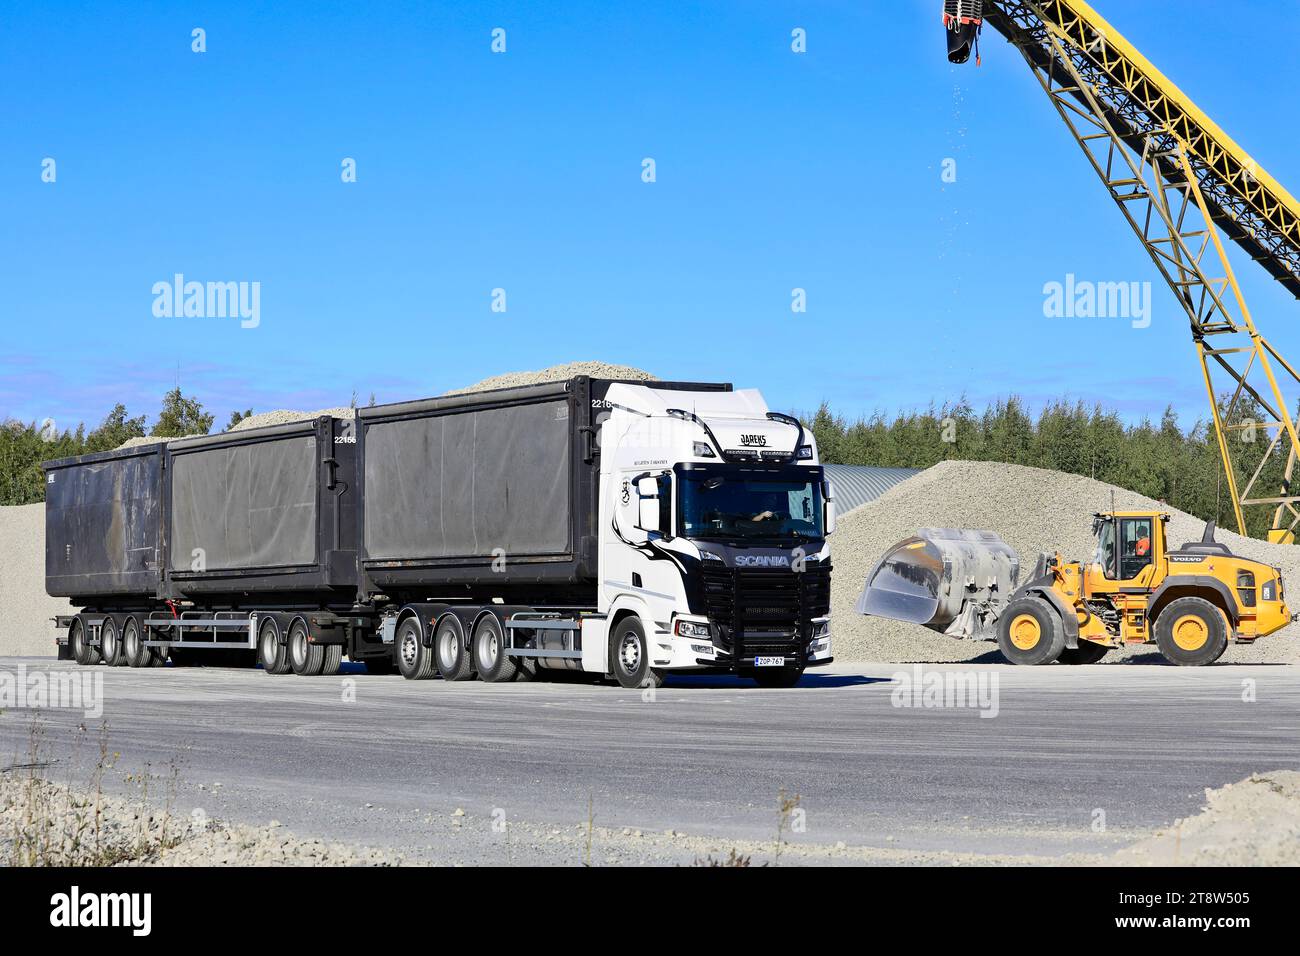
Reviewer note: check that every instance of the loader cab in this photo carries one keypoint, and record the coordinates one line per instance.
(1130, 547)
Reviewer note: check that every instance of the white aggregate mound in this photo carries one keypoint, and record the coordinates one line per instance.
(1033, 510)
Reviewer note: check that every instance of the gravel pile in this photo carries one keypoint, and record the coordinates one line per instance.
(557, 373)
(25, 608)
(1033, 510)
(48, 824)
(1255, 822)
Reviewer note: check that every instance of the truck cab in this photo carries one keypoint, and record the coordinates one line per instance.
(715, 517)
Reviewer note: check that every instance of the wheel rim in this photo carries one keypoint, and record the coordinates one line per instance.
(1025, 632)
(1190, 632)
(629, 652)
(447, 647)
(299, 644)
(269, 648)
(488, 649)
(130, 641)
(108, 640)
(410, 648)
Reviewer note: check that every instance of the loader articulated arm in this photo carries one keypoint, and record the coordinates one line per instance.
(1183, 185)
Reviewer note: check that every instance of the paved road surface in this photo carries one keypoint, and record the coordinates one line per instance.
(705, 757)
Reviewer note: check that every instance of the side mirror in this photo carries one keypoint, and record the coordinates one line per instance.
(828, 508)
(654, 504)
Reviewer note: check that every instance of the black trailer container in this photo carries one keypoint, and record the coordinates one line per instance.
(103, 527)
(264, 517)
(486, 494)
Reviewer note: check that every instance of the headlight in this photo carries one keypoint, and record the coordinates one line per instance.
(805, 452)
(692, 629)
(821, 630)
(702, 450)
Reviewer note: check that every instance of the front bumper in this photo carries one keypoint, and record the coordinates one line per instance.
(674, 651)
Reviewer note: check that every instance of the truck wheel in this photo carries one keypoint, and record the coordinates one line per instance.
(1030, 632)
(1191, 632)
(414, 660)
(110, 643)
(133, 650)
(306, 658)
(778, 676)
(454, 662)
(1088, 652)
(333, 659)
(629, 656)
(490, 659)
(271, 654)
(82, 652)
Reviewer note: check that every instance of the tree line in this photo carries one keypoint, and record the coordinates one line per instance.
(1162, 460)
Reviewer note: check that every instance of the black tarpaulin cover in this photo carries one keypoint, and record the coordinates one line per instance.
(101, 521)
(245, 506)
(468, 483)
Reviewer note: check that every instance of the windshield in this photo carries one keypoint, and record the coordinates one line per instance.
(718, 506)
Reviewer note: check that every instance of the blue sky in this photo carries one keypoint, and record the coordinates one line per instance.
(522, 171)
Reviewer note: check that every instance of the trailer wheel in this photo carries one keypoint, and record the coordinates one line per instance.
(1030, 632)
(82, 652)
(629, 656)
(271, 654)
(414, 660)
(110, 643)
(133, 650)
(306, 658)
(1191, 632)
(454, 662)
(490, 659)
(1088, 652)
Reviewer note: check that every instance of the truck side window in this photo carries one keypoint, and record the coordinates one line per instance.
(664, 488)
(1135, 547)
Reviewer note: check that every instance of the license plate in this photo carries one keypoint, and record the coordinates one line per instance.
(769, 662)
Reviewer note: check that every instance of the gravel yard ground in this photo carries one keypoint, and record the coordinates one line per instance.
(368, 769)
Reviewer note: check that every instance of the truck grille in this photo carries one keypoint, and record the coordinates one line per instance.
(766, 611)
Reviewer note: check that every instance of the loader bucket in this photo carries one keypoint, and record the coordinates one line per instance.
(931, 578)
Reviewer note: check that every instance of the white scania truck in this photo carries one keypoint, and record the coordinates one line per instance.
(628, 529)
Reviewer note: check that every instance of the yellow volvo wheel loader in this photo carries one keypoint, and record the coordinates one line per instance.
(1189, 602)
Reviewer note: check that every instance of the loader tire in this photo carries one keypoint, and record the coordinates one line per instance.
(1088, 652)
(1191, 632)
(1030, 632)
